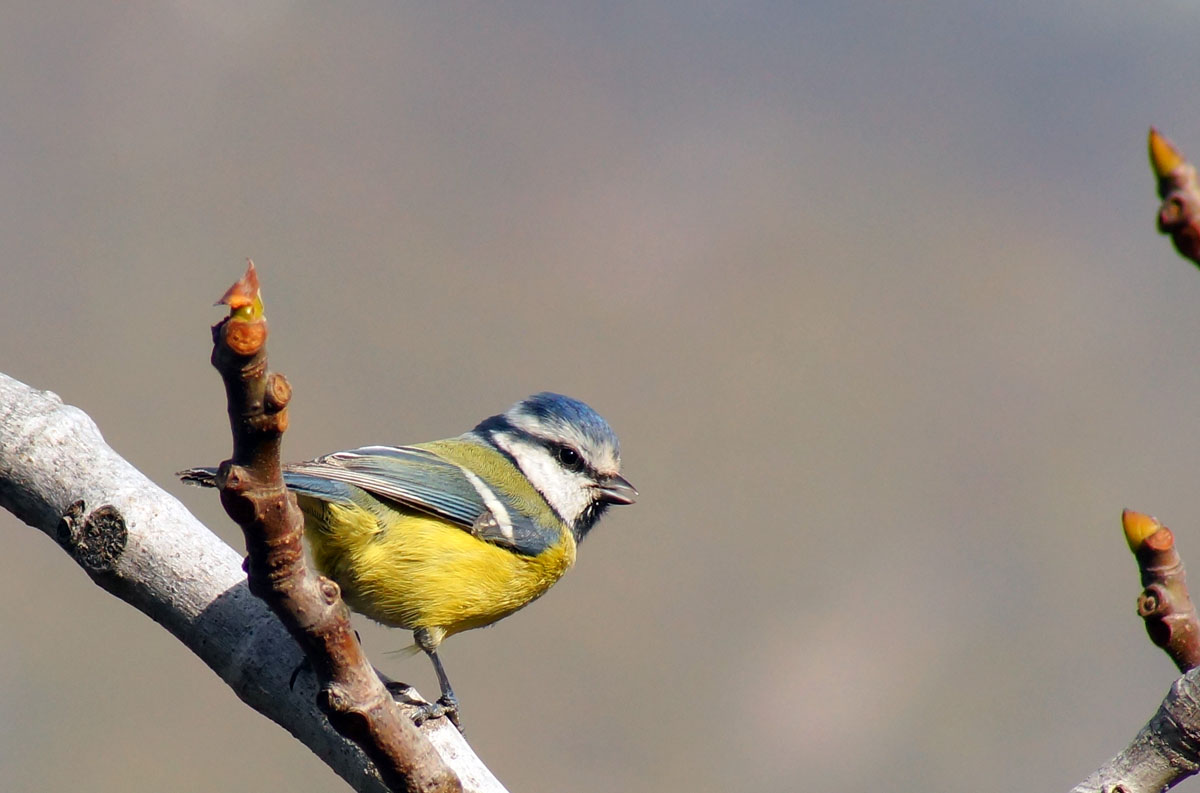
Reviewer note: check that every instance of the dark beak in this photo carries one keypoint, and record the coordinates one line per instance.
(616, 490)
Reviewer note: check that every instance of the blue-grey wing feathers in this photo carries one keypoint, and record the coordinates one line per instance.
(410, 476)
(414, 478)
(418, 479)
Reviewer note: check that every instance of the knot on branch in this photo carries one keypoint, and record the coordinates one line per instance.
(1151, 602)
(95, 540)
(329, 590)
(278, 392)
(346, 709)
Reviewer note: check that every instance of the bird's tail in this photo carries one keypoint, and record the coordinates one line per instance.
(200, 477)
(411, 649)
(302, 484)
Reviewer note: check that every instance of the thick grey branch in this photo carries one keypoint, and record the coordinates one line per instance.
(1164, 752)
(58, 475)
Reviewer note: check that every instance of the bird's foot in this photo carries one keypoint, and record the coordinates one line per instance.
(445, 707)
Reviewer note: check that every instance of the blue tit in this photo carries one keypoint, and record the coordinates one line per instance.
(450, 535)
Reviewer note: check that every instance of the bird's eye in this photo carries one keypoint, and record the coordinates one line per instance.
(568, 457)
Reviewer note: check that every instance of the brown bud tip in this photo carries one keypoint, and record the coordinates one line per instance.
(1138, 527)
(244, 298)
(1164, 157)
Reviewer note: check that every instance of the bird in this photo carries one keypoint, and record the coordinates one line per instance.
(450, 535)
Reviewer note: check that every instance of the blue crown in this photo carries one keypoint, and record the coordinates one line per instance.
(550, 408)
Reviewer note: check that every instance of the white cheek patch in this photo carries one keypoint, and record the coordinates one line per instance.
(566, 491)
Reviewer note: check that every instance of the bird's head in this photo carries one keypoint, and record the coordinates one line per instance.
(567, 452)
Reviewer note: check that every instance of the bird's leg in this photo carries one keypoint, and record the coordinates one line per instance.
(447, 704)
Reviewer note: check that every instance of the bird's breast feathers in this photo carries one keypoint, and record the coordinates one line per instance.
(412, 571)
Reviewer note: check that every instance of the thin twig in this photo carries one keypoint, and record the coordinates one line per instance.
(254, 495)
(1167, 749)
(1164, 604)
(1179, 214)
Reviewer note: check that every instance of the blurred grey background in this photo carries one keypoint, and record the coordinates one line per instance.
(870, 291)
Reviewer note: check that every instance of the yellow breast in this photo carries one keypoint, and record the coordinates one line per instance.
(415, 571)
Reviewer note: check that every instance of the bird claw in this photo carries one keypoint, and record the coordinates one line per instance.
(445, 706)
(423, 711)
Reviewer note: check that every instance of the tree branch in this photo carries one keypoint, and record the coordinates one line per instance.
(139, 543)
(254, 494)
(1165, 751)
(1164, 604)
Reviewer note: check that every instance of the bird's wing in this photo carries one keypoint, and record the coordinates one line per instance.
(421, 480)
